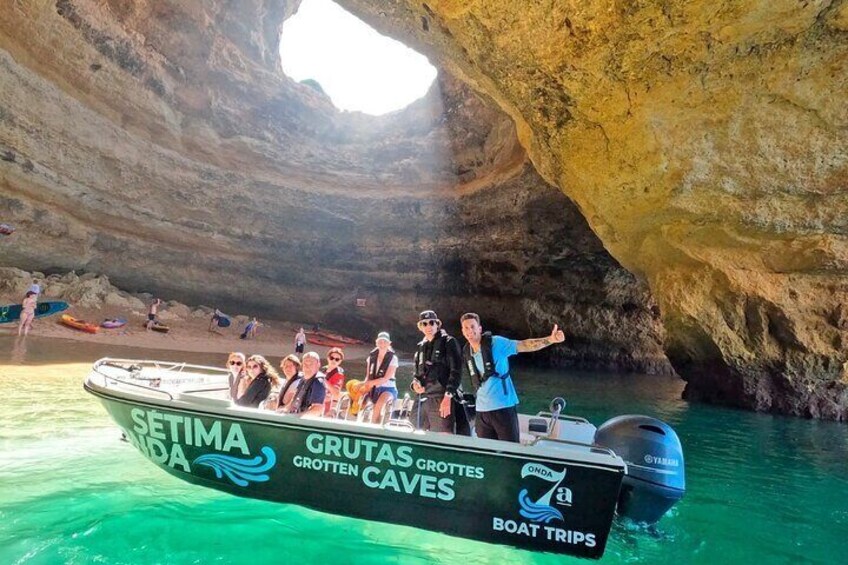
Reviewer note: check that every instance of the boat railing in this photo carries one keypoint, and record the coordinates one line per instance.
(134, 368)
(564, 418)
(593, 447)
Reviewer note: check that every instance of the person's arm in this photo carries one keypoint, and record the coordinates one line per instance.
(535, 344)
(455, 367)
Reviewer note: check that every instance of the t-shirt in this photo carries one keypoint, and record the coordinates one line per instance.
(309, 392)
(35, 287)
(336, 377)
(491, 395)
(393, 363)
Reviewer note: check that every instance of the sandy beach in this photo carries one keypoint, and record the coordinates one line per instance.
(191, 334)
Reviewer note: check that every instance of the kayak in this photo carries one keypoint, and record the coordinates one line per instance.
(113, 323)
(162, 328)
(335, 337)
(324, 341)
(76, 324)
(12, 312)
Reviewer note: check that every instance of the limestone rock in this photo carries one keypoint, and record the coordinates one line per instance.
(697, 150)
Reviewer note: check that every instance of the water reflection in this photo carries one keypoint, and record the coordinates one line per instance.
(19, 351)
(760, 487)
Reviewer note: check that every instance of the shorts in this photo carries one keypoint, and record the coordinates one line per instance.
(151, 317)
(426, 416)
(377, 391)
(298, 348)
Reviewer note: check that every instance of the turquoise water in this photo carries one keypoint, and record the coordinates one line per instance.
(762, 488)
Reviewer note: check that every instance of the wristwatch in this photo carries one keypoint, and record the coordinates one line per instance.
(449, 394)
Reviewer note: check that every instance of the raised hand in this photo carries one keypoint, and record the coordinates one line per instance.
(557, 335)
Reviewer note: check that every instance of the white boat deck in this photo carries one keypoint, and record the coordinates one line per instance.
(183, 386)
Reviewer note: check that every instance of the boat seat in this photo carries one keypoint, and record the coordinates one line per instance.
(567, 428)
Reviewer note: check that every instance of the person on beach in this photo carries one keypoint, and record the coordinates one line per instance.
(216, 316)
(261, 379)
(299, 341)
(35, 288)
(235, 366)
(436, 379)
(379, 387)
(152, 311)
(334, 377)
(290, 367)
(27, 312)
(251, 328)
(311, 392)
(486, 360)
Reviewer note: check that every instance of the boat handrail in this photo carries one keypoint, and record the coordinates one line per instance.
(145, 387)
(592, 446)
(564, 417)
(170, 366)
(135, 363)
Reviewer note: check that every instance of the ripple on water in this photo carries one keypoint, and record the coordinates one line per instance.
(760, 488)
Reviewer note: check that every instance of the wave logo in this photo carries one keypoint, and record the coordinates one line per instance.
(541, 510)
(241, 471)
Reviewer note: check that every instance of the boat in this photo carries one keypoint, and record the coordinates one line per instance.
(112, 323)
(325, 341)
(12, 312)
(78, 324)
(335, 337)
(556, 491)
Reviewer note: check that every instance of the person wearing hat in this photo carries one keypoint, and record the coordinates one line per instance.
(436, 378)
(486, 360)
(380, 370)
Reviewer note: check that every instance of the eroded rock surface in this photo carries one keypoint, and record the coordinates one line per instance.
(705, 143)
(157, 142)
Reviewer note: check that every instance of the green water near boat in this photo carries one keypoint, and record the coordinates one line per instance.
(759, 487)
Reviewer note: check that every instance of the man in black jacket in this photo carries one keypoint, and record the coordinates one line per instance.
(437, 373)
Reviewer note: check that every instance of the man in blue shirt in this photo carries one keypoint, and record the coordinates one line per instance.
(486, 360)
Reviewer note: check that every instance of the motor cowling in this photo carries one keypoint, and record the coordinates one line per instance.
(655, 478)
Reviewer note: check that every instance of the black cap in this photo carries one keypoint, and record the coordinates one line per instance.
(428, 315)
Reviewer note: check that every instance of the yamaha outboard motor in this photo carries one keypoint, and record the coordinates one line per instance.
(655, 479)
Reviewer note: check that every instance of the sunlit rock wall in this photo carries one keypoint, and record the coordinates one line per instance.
(158, 143)
(705, 143)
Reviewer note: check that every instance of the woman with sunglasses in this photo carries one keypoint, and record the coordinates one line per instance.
(333, 378)
(261, 380)
(290, 366)
(235, 366)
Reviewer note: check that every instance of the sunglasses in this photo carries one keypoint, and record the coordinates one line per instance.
(335, 358)
(239, 363)
(428, 323)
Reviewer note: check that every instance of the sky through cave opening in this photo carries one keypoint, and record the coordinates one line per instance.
(357, 67)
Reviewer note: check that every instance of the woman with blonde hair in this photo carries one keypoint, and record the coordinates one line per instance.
(261, 380)
(235, 366)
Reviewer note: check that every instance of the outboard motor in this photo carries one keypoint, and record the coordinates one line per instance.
(655, 478)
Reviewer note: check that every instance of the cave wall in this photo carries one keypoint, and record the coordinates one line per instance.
(705, 143)
(159, 143)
